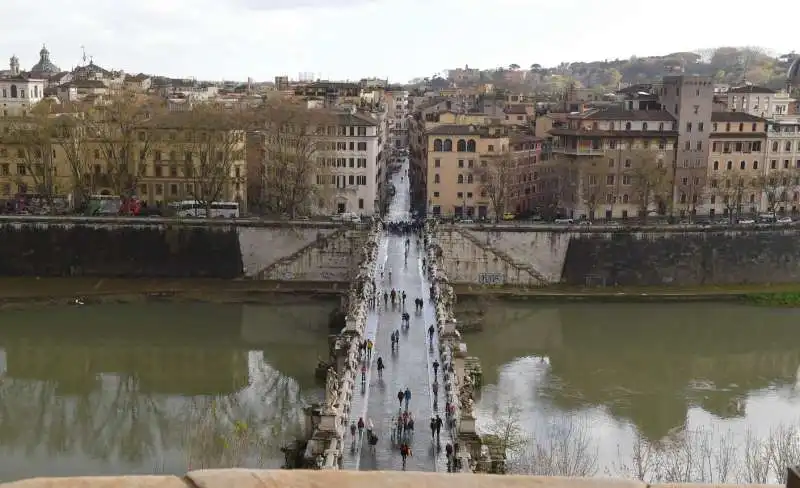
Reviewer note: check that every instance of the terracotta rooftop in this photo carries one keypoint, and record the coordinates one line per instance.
(619, 114)
(752, 89)
(735, 117)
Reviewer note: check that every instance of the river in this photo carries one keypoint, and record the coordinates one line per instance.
(122, 389)
(621, 379)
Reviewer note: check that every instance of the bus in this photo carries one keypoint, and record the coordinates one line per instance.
(195, 208)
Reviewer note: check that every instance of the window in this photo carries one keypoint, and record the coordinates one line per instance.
(741, 127)
(688, 127)
(361, 200)
(471, 145)
(785, 164)
(469, 178)
(774, 146)
(4, 169)
(687, 145)
(773, 164)
(21, 170)
(491, 147)
(700, 126)
(742, 165)
(471, 163)
(173, 189)
(436, 178)
(755, 164)
(699, 145)
(611, 163)
(448, 145)
(461, 145)
(661, 126)
(460, 194)
(716, 165)
(460, 178)
(754, 128)
(727, 127)
(437, 145)
(351, 180)
(437, 163)
(788, 146)
(627, 126)
(644, 125)
(609, 179)
(362, 131)
(460, 163)
(436, 194)
(469, 194)
(362, 146)
(626, 179)
(730, 164)
(627, 163)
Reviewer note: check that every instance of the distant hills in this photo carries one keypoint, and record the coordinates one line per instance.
(730, 65)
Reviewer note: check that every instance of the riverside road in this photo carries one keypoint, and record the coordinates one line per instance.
(410, 366)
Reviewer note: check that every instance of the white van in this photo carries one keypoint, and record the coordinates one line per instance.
(564, 221)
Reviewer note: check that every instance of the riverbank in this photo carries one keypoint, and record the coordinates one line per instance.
(23, 292)
(27, 292)
(756, 294)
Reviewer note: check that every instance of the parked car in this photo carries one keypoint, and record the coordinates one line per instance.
(784, 220)
(746, 222)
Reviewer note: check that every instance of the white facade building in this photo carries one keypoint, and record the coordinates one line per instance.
(350, 153)
(397, 102)
(18, 95)
(759, 101)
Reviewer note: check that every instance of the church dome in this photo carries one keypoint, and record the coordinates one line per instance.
(45, 65)
(793, 75)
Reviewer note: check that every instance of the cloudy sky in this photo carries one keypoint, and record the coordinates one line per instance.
(340, 39)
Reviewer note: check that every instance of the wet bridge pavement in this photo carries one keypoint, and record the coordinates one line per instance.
(409, 367)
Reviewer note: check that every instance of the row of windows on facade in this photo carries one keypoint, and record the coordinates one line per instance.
(189, 156)
(97, 169)
(341, 146)
(158, 189)
(342, 162)
(645, 126)
(19, 93)
(462, 145)
(739, 147)
(773, 164)
(460, 194)
(620, 144)
(189, 136)
(342, 181)
(787, 146)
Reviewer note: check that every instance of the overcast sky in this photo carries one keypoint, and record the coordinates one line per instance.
(339, 39)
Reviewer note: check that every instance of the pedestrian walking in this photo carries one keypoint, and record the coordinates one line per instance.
(400, 397)
(435, 367)
(407, 396)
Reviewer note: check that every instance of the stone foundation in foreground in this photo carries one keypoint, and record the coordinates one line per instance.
(246, 478)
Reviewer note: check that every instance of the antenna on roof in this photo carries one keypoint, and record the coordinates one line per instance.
(83, 49)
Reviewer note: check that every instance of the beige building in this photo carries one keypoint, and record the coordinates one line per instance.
(737, 169)
(609, 164)
(462, 176)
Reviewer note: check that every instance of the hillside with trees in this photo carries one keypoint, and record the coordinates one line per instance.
(729, 65)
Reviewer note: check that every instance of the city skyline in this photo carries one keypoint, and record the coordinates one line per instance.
(352, 39)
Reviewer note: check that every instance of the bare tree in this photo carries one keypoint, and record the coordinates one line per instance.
(730, 187)
(650, 181)
(691, 194)
(31, 152)
(116, 129)
(775, 188)
(70, 135)
(591, 194)
(564, 449)
(497, 178)
(293, 173)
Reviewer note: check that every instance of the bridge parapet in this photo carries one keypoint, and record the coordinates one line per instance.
(459, 384)
(325, 448)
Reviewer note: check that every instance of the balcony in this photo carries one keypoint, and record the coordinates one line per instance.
(579, 151)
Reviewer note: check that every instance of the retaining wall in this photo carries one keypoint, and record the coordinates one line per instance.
(613, 256)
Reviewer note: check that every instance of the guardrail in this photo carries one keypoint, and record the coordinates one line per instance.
(605, 228)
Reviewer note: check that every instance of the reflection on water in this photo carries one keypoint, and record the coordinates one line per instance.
(649, 371)
(153, 388)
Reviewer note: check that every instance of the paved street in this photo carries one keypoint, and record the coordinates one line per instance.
(409, 367)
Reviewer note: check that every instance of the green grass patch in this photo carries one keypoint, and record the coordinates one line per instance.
(779, 299)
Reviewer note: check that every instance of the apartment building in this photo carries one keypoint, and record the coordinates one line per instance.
(611, 163)
(397, 116)
(351, 153)
(460, 159)
(759, 101)
(736, 168)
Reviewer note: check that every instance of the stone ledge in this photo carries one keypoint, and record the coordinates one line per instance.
(103, 482)
(247, 478)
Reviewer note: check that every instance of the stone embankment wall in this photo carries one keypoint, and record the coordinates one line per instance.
(533, 256)
(246, 478)
(321, 252)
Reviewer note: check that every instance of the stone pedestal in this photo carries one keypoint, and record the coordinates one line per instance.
(466, 425)
(459, 358)
(327, 422)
